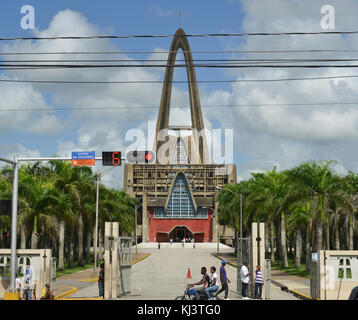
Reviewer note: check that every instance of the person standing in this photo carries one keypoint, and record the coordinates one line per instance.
(259, 282)
(224, 280)
(28, 281)
(214, 283)
(244, 275)
(101, 281)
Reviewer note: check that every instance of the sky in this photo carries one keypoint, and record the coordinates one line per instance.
(264, 136)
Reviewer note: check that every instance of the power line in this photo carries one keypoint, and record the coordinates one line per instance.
(167, 52)
(176, 81)
(225, 66)
(31, 109)
(184, 35)
(281, 60)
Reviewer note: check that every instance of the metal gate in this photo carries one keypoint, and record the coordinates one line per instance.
(124, 265)
(244, 253)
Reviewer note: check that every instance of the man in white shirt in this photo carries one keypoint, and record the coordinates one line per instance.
(244, 275)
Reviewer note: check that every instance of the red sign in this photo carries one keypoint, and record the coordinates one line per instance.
(83, 162)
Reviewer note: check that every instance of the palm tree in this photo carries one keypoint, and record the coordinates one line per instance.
(300, 219)
(318, 183)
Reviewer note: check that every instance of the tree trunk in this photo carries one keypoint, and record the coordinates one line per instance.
(278, 241)
(298, 249)
(23, 239)
(308, 249)
(319, 238)
(350, 232)
(284, 260)
(80, 240)
(336, 236)
(34, 240)
(88, 246)
(327, 237)
(272, 234)
(346, 232)
(71, 248)
(61, 250)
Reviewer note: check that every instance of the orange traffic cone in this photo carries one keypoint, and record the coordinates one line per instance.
(189, 274)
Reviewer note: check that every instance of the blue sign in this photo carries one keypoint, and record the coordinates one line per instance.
(85, 155)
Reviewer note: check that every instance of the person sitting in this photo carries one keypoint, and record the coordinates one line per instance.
(47, 294)
(214, 284)
(205, 280)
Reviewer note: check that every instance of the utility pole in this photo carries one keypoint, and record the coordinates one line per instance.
(99, 175)
(14, 224)
(96, 228)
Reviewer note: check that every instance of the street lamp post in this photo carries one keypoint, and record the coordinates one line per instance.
(99, 175)
(240, 197)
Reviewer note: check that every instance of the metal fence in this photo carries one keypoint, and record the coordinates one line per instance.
(124, 265)
(244, 253)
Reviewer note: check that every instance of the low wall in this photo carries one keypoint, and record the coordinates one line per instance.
(38, 259)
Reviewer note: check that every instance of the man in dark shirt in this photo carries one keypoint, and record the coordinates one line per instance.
(101, 281)
(204, 280)
(224, 280)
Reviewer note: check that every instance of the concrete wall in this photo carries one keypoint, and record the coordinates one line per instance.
(40, 262)
(166, 225)
(330, 261)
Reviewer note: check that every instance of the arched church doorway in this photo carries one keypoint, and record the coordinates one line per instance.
(179, 233)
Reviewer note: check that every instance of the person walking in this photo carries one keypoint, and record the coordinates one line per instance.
(101, 281)
(259, 282)
(244, 275)
(224, 280)
(214, 283)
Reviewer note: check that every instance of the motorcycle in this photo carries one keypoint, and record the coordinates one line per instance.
(189, 295)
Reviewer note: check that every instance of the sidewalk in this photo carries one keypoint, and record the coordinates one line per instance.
(299, 286)
(70, 284)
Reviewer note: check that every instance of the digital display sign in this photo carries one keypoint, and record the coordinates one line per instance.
(111, 158)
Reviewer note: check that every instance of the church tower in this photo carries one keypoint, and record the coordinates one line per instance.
(177, 192)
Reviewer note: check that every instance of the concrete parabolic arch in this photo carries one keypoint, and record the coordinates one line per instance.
(180, 41)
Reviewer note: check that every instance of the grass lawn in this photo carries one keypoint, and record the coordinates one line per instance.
(291, 269)
(60, 273)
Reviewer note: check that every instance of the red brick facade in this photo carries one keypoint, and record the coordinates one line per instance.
(159, 229)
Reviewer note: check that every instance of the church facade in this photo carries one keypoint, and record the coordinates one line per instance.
(177, 193)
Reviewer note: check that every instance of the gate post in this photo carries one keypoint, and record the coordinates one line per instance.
(267, 278)
(258, 253)
(110, 259)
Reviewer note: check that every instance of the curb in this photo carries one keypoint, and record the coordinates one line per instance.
(230, 263)
(140, 259)
(66, 293)
(301, 295)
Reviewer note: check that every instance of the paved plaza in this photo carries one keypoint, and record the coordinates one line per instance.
(163, 274)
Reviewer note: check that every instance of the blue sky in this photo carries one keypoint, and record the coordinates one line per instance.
(263, 137)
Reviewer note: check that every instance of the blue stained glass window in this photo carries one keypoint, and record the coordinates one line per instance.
(180, 203)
